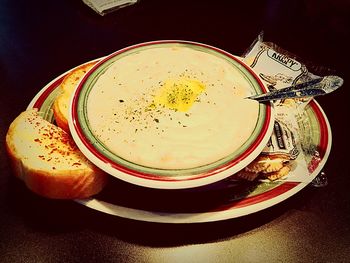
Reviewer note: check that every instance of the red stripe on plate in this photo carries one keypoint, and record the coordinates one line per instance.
(283, 188)
(324, 136)
(47, 92)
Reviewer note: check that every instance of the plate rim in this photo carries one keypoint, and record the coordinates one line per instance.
(230, 211)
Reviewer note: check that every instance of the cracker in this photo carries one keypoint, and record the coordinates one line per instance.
(278, 174)
(274, 165)
(267, 164)
(258, 165)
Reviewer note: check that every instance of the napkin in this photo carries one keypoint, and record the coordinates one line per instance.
(103, 7)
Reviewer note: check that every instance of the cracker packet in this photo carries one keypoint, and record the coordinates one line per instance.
(289, 152)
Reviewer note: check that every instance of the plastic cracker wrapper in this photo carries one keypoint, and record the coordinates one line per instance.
(289, 152)
(103, 7)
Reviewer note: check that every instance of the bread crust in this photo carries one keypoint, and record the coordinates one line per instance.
(67, 87)
(60, 117)
(57, 182)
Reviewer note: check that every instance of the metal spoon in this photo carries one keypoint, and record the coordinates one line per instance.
(312, 88)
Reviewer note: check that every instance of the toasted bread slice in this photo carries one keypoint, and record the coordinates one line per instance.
(46, 158)
(67, 87)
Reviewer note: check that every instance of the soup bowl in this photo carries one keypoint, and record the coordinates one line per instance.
(170, 114)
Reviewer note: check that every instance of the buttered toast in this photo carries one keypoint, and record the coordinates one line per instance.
(68, 85)
(46, 158)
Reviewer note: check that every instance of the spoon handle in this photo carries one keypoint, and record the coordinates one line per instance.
(312, 88)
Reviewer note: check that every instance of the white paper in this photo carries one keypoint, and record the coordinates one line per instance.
(105, 6)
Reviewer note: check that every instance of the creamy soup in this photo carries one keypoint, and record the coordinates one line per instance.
(172, 108)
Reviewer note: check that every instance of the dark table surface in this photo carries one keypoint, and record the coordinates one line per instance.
(40, 40)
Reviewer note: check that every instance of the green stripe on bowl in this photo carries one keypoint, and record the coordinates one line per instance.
(102, 149)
